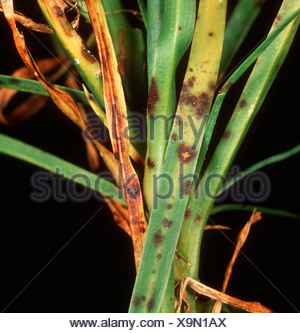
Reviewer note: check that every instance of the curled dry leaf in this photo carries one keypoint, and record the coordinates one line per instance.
(30, 24)
(216, 227)
(204, 290)
(92, 155)
(34, 103)
(117, 122)
(242, 237)
(64, 102)
(120, 215)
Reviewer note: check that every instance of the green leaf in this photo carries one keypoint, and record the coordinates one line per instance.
(27, 153)
(257, 166)
(246, 64)
(174, 39)
(251, 99)
(34, 87)
(237, 28)
(143, 10)
(155, 11)
(237, 207)
(86, 64)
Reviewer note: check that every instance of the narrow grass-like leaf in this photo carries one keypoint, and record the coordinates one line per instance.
(237, 29)
(233, 79)
(102, 116)
(174, 39)
(249, 208)
(35, 87)
(129, 46)
(250, 102)
(76, 48)
(168, 212)
(30, 154)
(259, 165)
(116, 113)
(143, 10)
(155, 12)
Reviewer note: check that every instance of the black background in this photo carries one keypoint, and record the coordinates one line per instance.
(95, 271)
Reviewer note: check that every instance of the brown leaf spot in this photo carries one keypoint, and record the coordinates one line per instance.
(191, 70)
(185, 87)
(136, 301)
(229, 86)
(202, 105)
(210, 34)
(154, 271)
(167, 223)
(191, 83)
(185, 153)
(212, 86)
(179, 28)
(150, 163)
(174, 137)
(150, 304)
(59, 12)
(87, 53)
(133, 191)
(278, 19)
(169, 206)
(158, 256)
(117, 158)
(158, 238)
(227, 135)
(243, 103)
(187, 213)
(198, 218)
(153, 98)
(187, 185)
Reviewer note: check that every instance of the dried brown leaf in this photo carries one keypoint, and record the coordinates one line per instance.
(32, 104)
(242, 237)
(204, 290)
(60, 98)
(116, 117)
(120, 215)
(30, 24)
(216, 227)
